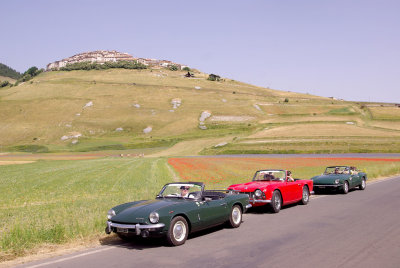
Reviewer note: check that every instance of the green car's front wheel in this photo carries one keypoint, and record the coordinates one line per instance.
(363, 184)
(345, 188)
(178, 231)
(235, 219)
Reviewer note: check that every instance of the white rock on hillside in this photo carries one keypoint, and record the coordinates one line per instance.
(197, 87)
(176, 103)
(119, 129)
(136, 105)
(204, 115)
(71, 135)
(257, 107)
(89, 104)
(147, 130)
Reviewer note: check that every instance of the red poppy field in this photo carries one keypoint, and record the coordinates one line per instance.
(223, 171)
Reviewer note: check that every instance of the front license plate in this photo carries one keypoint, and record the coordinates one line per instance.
(122, 230)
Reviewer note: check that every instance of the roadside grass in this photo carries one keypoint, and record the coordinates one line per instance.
(55, 202)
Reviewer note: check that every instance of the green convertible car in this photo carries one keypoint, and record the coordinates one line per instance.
(340, 178)
(179, 209)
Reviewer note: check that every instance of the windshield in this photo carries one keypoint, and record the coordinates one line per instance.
(269, 175)
(337, 170)
(181, 190)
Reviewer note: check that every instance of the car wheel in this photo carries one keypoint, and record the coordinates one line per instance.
(235, 219)
(276, 201)
(345, 189)
(363, 184)
(306, 196)
(178, 231)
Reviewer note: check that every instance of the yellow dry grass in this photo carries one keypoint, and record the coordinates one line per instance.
(390, 113)
(317, 130)
(395, 125)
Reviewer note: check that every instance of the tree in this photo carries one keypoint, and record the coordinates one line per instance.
(173, 68)
(213, 77)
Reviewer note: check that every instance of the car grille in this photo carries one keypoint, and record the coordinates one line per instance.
(250, 194)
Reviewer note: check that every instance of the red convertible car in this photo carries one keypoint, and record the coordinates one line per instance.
(276, 188)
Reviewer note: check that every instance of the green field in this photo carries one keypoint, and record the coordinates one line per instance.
(50, 202)
(54, 202)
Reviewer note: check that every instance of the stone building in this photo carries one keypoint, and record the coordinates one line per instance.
(102, 56)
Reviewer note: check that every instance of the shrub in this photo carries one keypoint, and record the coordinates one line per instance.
(4, 83)
(187, 69)
(107, 65)
(214, 77)
(286, 100)
(173, 68)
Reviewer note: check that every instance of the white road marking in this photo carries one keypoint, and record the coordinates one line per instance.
(72, 257)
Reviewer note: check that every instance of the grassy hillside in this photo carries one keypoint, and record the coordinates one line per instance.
(110, 109)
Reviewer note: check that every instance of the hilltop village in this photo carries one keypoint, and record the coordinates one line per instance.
(102, 56)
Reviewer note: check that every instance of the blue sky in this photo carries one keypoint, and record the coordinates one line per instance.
(346, 49)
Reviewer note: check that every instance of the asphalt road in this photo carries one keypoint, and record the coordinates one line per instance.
(359, 229)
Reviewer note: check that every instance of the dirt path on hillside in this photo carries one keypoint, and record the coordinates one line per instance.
(190, 148)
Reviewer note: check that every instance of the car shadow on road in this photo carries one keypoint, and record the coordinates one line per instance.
(327, 192)
(139, 243)
(267, 209)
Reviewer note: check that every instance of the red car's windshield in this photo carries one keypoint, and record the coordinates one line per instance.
(270, 175)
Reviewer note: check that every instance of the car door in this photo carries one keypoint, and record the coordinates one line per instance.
(355, 180)
(213, 212)
(290, 191)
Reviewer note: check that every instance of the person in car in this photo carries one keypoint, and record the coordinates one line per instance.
(184, 191)
(289, 176)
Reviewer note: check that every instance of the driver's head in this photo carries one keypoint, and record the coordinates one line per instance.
(336, 170)
(289, 173)
(185, 189)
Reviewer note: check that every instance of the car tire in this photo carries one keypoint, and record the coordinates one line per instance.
(178, 231)
(363, 184)
(345, 188)
(235, 218)
(305, 196)
(276, 201)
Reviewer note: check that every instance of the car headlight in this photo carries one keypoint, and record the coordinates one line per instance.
(110, 214)
(258, 193)
(154, 217)
(337, 181)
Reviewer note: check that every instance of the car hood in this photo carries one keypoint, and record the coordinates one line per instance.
(328, 179)
(139, 213)
(252, 186)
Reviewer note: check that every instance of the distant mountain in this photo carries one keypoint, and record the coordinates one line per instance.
(8, 72)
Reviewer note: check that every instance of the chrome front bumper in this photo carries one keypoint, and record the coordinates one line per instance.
(327, 185)
(136, 227)
(259, 201)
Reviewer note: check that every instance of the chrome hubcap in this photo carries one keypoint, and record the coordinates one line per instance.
(236, 215)
(363, 183)
(179, 231)
(277, 202)
(346, 187)
(305, 195)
